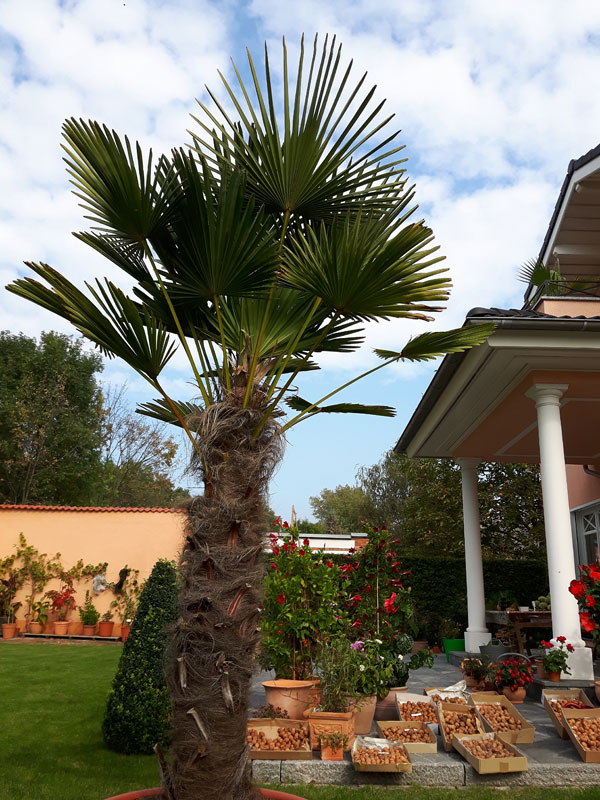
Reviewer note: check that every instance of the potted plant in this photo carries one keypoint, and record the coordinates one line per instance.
(9, 628)
(374, 677)
(512, 675)
(89, 615)
(299, 607)
(474, 670)
(332, 745)
(62, 602)
(448, 633)
(556, 658)
(127, 593)
(39, 615)
(106, 625)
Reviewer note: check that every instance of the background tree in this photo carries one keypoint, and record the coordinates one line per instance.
(343, 510)
(257, 250)
(50, 420)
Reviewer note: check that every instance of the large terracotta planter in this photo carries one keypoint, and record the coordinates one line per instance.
(386, 707)
(517, 696)
(21, 625)
(125, 632)
(325, 721)
(268, 794)
(291, 696)
(105, 628)
(75, 628)
(35, 627)
(419, 645)
(89, 630)
(61, 627)
(539, 666)
(9, 630)
(365, 711)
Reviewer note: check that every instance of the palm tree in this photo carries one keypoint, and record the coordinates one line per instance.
(270, 239)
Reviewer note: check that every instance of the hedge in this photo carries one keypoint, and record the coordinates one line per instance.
(138, 705)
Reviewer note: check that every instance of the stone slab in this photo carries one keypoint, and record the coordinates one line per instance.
(577, 774)
(266, 771)
(427, 771)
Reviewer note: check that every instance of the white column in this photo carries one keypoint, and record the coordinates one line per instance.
(476, 633)
(557, 520)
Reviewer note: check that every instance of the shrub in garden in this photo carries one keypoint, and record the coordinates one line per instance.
(138, 705)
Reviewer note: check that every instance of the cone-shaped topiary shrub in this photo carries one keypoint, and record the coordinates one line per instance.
(138, 705)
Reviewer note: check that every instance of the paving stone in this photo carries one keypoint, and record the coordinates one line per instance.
(578, 774)
(266, 771)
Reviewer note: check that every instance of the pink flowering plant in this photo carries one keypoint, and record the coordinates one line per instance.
(587, 592)
(300, 605)
(556, 656)
(375, 667)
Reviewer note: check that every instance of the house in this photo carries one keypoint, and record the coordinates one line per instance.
(531, 393)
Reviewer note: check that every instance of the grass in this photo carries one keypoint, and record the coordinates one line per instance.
(52, 700)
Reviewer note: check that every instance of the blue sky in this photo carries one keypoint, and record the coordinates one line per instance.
(493, 100)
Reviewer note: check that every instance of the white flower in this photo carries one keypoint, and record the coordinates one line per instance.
(400, 657)
(362, 667)
(378, 641)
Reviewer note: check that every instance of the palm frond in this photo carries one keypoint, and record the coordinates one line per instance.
(161, 410)
(535, 273)
(428, 346)
(299, 404)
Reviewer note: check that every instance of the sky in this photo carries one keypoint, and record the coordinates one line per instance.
(493, 100)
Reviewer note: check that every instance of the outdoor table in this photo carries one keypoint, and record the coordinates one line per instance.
(520, 620)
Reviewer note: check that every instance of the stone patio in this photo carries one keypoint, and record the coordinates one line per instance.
(552, 760)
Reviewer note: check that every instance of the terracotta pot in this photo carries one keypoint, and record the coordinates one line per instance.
(539, 667)
(435, 649)
(553, 676)
(418, 646)
(386, 707)
(315, 695)
(268, 794)
(325, 721)
(365, 711)
(125, 632)
(9, 630)
(35, 627)
(291, 696)
(597, 690)
(89, 630)
(75, 628)
(21, 625)
(105, 628)
(471, 681)
(517, 697)
(61, 627)
(332, 753)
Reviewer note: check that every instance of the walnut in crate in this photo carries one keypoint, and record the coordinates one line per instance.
(587, 731)
(421, 711)
(459, 701)
(407, 734)
(499, 718)
(385, 755)
(565, 702)
(287, 739)
(459, 723)
(487, 748)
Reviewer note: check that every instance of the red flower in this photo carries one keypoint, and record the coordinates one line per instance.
(587, 623)
(330, 564)
(561, 639)
(274, 566)
(389, 603)
(547, 645)
(306, 543)
(285, 525)
(281, 598)
(594, 572)
(570, 648)
(590, 601)
(383, 528)
(300, 552)
(577, 589)
(368, 588)
(275, 551)
(356, 623)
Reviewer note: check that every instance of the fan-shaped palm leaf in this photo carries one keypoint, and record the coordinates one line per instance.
(299, 404)
(428, 346)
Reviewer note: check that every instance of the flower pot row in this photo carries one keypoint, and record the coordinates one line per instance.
(64, 627)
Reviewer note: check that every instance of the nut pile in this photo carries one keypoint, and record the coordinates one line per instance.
(421, 711)
(407, 734)
(567, 702)
(287, 739)
(499, 717)
(458, 700)
(458, 723)
(487, 748)
(386, 755)
(587, 731)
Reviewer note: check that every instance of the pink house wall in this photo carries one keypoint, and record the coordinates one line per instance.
(583, 488)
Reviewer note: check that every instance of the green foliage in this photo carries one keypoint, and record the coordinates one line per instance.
(88, 613)
(338, 667)
(138, 705)
(341, 510)
(375, 667)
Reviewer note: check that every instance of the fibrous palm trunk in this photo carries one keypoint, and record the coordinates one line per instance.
(216, 634)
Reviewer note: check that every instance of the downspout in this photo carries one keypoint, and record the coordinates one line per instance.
(590, 471)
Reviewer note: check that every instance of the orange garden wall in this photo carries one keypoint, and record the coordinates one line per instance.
(133, 536)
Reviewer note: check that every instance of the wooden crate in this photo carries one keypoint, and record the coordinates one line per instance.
(377, 744)
(411, 747)
(568, 714)
(429, 691)
(523, 736)
(562, 694)
(269, 728)
(490, 766)
(444, 708)
(401, 699)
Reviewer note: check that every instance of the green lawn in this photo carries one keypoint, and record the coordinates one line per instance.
(52, 701)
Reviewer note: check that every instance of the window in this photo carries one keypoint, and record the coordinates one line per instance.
(588, 534)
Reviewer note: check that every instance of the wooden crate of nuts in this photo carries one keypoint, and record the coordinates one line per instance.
(416, 736)
(379, 755)
(583, 728)
(416, 707)
(278, 739)
(555, 700)
(438, 695)
(501, 717)
(457, 720)
(488, 754)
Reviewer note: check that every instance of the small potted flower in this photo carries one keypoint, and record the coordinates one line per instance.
(512, 676)
(39, 616)
(332, 745)
(89, 615)
(556, 658)
(106, 625)
(474, 670)
(374, 677)
(63, 602)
